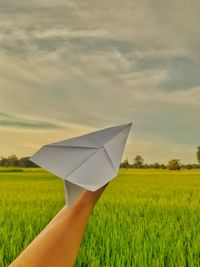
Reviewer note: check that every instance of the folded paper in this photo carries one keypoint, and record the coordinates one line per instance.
(86, 162)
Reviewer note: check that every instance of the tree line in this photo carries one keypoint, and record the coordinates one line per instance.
(138, 162)
(14, 161)
(173, 164)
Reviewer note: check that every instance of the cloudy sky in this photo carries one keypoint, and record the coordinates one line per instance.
(71, 67)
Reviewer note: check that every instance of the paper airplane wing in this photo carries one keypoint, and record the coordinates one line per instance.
(89, 161)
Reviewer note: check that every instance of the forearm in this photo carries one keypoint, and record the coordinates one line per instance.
(58, 243)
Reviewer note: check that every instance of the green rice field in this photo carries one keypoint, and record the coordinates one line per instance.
(144, 218)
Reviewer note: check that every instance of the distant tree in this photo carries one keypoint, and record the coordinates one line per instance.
(150, 165)
(25, 162)
(189, 166)
(145, 166)
(12, 161)
(138, 162)
(195, 166)
(198, 154)
(125, 164)
(174, 164)
(156, 165)
(3, 162)
(163, 166)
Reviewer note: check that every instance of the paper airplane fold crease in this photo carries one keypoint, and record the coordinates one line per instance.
(85, 162)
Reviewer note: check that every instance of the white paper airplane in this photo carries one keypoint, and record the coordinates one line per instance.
(86, 162)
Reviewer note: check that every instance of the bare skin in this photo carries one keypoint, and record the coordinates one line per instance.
(58, 244)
